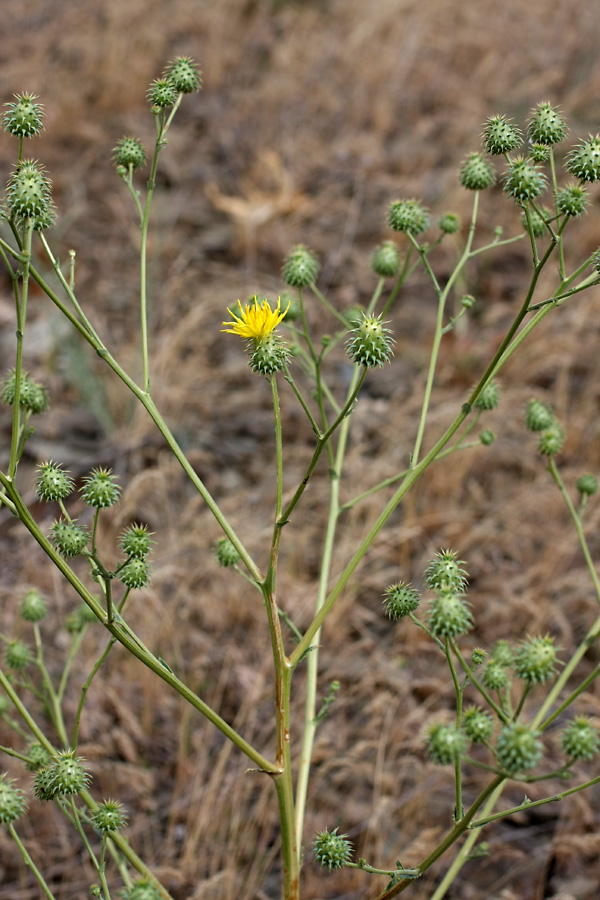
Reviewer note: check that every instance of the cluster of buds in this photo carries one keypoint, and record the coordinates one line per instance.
(541, 419)
(67, 775)
(33, 396)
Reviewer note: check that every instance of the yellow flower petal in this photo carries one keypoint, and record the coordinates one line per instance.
(256, 320)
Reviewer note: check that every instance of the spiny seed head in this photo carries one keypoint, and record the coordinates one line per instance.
(524, 181)
(24, 116)
(109, 817)
(449, 615)
(69, 538)
(129, 152)
(546, 125)
(445, 744)
(489, 398)
(17, 655)
(136, 541)
(580, 740)
(587, 485)
(38, 758)
(332, 849)
(268, 355)
(449, 223)
(162, 93)
(476, 173)
(583, 161)
(572, 200)
(518, 748)
(551, 439)
(33, 606)
(226, 553)
(300, 267)
(385, 262)
(445, 573)
(69, 773)
(99, 489)
(501, 136)
(539, 416)
(477, 724)
(184, 75)
(142, 889)
(495, 676)
(135, 573)
(33, 396)
(535, 661)
(370, 343)
(408, 216)
(28, 194)
(539, 153)
(478, 656)
(12, 800)
(52, 482)
(44, 786)
(400, 600)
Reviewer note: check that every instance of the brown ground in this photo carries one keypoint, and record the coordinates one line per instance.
(313, 117)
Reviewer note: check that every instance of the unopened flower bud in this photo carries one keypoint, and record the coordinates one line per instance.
(489, 398)
(478, 725)
(370, 342)
(184, 75)
(226, 553)
(487, 437)
(587, 485)
(12, 800)
(572, 200)
(28, 195)
(109, 817)
(449, 223)
(538, 416)
(386, 260)
(517, 748)
(535, 661)
(400, 600)
(445, 744)
(580, 739)
(69, 774)
(300, 268)
(408, 216)
(33, 607)
(99, 489)
(449, 615)
(551, 439)
(17, 655)
(445, 573)
(476, 173)
(129, 153)
(23, 118)
(546, 125)
(162, 93)
(524, 181)
(52, 482)
(136, 541)
(584, 160)
(135, 573)
(332, 849)
(69, 538)
(500, 136)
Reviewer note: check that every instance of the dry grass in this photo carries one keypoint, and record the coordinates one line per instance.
(314, 116)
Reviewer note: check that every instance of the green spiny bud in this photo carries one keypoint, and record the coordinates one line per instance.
(300, 268)
(99, 489)
(17, 655)
(136, 541)
(445, 744)
(584, 160)
(332, 849)
(162, 93)
(535, 661)
(400, 600)
(52, 482)
(33, 396)
(370, 343)
(408, 216)
(135, 573)
(33, 606)
(129, 152)
(537, 223)
(539, 153)
(580, 739)
(572, 200)
(69, 538)
(109, 817)
(226, 553)
(478, 725)
(69, 773)
(538, 416)
(476, 173)
(478, 656)
(467, 301)
(23, 118)
(501, 136)
(551, 439)
(449, 615)
(503, 653)
(386, 260)
(142, 889)
(449, 223)
(268, 355)
(517, 748)
(495, 676)
(38, 758)
(487, 437)
(524, 181)
(546, 125)
(489, 398)
(28, 193)
(44, 786)
(587, 485)
(445, 573)
(12, 800)
(184, 75)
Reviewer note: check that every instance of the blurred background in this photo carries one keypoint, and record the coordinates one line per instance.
(313, 117)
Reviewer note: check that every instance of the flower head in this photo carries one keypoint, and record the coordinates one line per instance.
(256, 320)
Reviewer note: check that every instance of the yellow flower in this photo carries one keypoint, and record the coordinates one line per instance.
(256, 320)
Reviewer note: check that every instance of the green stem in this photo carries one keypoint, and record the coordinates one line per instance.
(21, 311)
(29, 862)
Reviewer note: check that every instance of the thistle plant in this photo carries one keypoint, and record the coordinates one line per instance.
(518, 706)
